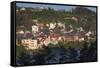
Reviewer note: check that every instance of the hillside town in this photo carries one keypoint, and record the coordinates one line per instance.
(53, 34)
(43, 34)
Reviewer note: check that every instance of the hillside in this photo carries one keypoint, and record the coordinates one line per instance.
(77, 17)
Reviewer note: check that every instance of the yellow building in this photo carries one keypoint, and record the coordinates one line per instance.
(30, 43)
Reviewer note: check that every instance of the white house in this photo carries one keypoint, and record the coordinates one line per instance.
(23, 9)
(30, 43)
(35, 20)
(81, 39)
(20, 32)
(52, 25)
(35, 28)
(88, 33)
(47, 25)
(74, 18)
(17, 10)
(79, 29)
(60, 24)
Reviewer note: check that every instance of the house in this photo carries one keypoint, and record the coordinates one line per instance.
(75, 18)
(47, 41)
(30, 43)
(35, 29)
(71, 38)
(41, 7)
(81, 39)
(54, 38)
(74, 36)
(20, 36)
(88, 33)
(81, 36)
(60, 24)
(47, 25)
(17, 10)
(20, 32)
(52, 25)
(27, 32)
(79, 29)
(17, 42)
(35, 20)
(23, 9)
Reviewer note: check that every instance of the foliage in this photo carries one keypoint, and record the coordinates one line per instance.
(20, 49)
(86, 18)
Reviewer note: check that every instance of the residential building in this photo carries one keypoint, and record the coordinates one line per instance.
(35, 29)
(20, 32)
(23, 9)
(52, 25)
(30, 43)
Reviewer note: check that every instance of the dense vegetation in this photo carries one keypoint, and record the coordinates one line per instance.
(86, 18)
(63, 53)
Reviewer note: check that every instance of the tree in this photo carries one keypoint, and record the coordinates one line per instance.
(84, 52)
(24, 59)
(73, 54)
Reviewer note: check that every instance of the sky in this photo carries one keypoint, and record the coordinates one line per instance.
(56, 7)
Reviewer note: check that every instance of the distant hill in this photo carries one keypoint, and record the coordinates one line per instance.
(86, 18)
